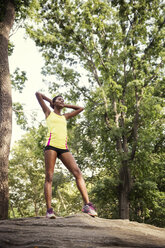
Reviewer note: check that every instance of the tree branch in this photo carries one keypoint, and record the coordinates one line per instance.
(94, 70)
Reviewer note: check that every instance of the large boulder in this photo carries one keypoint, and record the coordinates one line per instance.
(78, 231)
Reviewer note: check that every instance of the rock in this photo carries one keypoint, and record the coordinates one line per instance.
(78, 231)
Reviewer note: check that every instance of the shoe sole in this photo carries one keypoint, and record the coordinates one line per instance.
(92, 215)
(52, 217)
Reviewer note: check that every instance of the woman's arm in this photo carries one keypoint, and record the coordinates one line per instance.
(76, 111)
(41, 99)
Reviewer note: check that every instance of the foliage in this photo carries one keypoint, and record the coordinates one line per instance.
(10, 48)
(20, 116)
(148, 193)
(18, 79)
(26, 174)
(66, 197)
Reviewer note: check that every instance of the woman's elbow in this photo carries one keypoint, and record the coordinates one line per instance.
(37, 94)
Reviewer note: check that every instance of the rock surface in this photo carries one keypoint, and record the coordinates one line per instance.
(78, 231)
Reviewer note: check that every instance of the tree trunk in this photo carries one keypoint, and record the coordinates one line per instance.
(124, 189)
(6, 24)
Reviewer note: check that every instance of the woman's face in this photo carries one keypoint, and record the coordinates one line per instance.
(59, 102)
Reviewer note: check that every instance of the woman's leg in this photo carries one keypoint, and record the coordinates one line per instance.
(69, 161)
(50, 159)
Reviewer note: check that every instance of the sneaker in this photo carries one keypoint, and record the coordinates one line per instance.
(89, 209)
(50, 214)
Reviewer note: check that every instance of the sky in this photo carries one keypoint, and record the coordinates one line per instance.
(27, 57)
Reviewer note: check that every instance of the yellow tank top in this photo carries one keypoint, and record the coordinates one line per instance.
(57, 131)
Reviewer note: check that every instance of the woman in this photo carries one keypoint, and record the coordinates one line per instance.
(56, 146)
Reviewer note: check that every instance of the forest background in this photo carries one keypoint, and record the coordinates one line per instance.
(118, 141)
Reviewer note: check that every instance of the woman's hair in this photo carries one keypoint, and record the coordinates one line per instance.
(54, 99)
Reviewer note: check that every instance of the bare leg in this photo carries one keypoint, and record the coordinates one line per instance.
(70, 163)
(50, 159)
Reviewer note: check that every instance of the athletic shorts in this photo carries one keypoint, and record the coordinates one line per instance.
(58, 150)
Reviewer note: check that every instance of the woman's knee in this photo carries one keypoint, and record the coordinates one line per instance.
(77, 173)
(49, 177)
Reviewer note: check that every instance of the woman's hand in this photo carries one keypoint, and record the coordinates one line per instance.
(76, 111)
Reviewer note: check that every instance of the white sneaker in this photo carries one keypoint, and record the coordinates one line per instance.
(89, 209)
(50, 214)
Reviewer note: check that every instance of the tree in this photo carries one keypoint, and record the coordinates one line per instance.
(120, 45)
(6, 22)
(10, 11)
